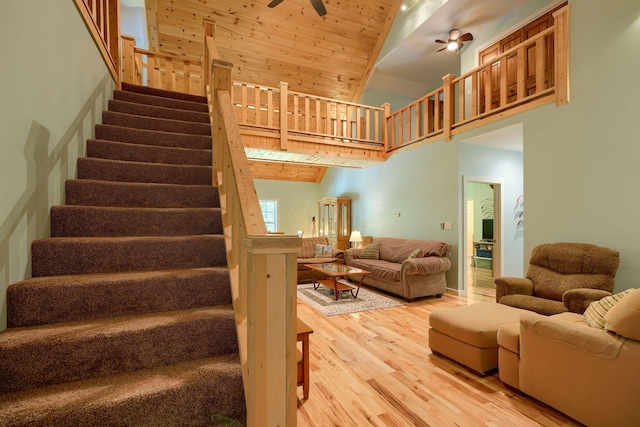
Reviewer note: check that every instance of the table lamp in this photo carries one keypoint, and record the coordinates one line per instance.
(355, 237)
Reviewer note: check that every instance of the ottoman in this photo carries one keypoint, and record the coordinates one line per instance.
(468, 334)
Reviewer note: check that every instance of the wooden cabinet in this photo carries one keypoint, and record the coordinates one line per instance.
(334, 221)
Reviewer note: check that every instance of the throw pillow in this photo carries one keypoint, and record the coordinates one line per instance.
(323, 251)
(371, 251)
(594, 314)
(624, 317)
(417, 253)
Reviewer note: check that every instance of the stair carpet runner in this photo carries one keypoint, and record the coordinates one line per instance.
(127, 319)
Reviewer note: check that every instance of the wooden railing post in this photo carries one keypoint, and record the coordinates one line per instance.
(271, 269)
(128, 68)
(220, 80)
(387, 140)
(449, 106)
(561, 55)
(209, 30)
(284, 86)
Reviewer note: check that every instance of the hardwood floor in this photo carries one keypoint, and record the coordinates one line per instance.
(376, 368)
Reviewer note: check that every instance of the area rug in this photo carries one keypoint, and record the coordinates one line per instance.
(323, 300)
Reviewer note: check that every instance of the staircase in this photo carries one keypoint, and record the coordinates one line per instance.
(127, 320)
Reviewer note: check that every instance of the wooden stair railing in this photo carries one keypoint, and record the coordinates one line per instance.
(102, 18)
(263, 269)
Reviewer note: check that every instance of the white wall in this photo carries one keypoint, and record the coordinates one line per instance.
(581, 160)
(297, 203)
(54, 87)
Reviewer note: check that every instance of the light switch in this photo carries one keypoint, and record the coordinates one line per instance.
(448, 225)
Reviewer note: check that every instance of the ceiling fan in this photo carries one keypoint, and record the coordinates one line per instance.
(456, 41)
(317, 5)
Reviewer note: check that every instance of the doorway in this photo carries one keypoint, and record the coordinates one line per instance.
(482, 236)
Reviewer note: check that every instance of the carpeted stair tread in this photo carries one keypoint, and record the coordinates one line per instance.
(160, 101)
(152, 137)
(114, 150)
(158, 112)
(186, 394)
(62, 352)
(69, 298)
(93, 221)
(57, 256)
(152, 123)
(130, 194)
(164, 93)
(125, 171)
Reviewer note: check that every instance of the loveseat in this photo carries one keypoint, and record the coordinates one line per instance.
(316, 250)
(586, 366)
(405, 267)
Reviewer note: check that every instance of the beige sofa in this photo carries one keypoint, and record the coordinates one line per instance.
(393, 271)
(306, 255)
(586, 372)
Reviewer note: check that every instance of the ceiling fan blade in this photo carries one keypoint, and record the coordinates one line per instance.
(318, 6)
(440, 50)
(441, 41)
(274, 3)
(465, 37)
(460, 44)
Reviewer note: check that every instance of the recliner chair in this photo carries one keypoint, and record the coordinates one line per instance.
(561, 277)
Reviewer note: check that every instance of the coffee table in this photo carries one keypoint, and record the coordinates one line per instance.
(335, 272)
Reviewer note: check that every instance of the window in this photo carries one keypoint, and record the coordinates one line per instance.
(270, 214)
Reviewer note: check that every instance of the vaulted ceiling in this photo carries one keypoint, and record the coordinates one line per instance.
(330, 56)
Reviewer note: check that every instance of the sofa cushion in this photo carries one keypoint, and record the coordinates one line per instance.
(389, 271)
(624, 317)
(308, 248)
(323, 251)
(397, 250)
(371, 251)
(594, 314)
(416, 253)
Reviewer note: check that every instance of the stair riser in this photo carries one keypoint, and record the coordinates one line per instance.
(69, 299)
(61, 256)
(150, 137)
(199, 99)
(158, 112)
(123, 348)
(191, 393)
(152, 154)
(86, 221)
(141, 122)
(94, 193)
(159, 101)
(119, 171)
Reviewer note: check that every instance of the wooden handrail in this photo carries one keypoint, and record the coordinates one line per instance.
(102, 18)
(262, 267)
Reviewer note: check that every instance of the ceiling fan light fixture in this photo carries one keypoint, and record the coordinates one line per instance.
(452, 45)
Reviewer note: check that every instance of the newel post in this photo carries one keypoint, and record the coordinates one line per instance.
(271, 273)
(448, 106)
(284, 86)
(209, 31)
(128, 68)
(220, 80)
(561, 55)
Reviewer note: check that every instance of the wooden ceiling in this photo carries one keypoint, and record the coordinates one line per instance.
(330, 56)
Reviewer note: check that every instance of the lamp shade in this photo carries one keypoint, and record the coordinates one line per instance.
(355, 237)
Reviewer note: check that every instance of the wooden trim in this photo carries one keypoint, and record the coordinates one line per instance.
(561, 55)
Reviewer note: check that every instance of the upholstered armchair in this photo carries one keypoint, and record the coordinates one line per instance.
(561, 277)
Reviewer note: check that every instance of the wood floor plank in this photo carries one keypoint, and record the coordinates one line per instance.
(375, 368)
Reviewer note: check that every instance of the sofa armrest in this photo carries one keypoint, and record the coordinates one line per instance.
(577, 300)
(512, 286)
(338, 253)
(426, 265)
(350, 254)
(577, 336)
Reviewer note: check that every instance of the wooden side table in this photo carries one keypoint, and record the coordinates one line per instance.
(303, 357)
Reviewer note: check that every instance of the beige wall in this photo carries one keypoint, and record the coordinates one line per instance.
(54, 87)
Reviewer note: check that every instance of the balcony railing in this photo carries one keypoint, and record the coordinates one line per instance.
(519, 79)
